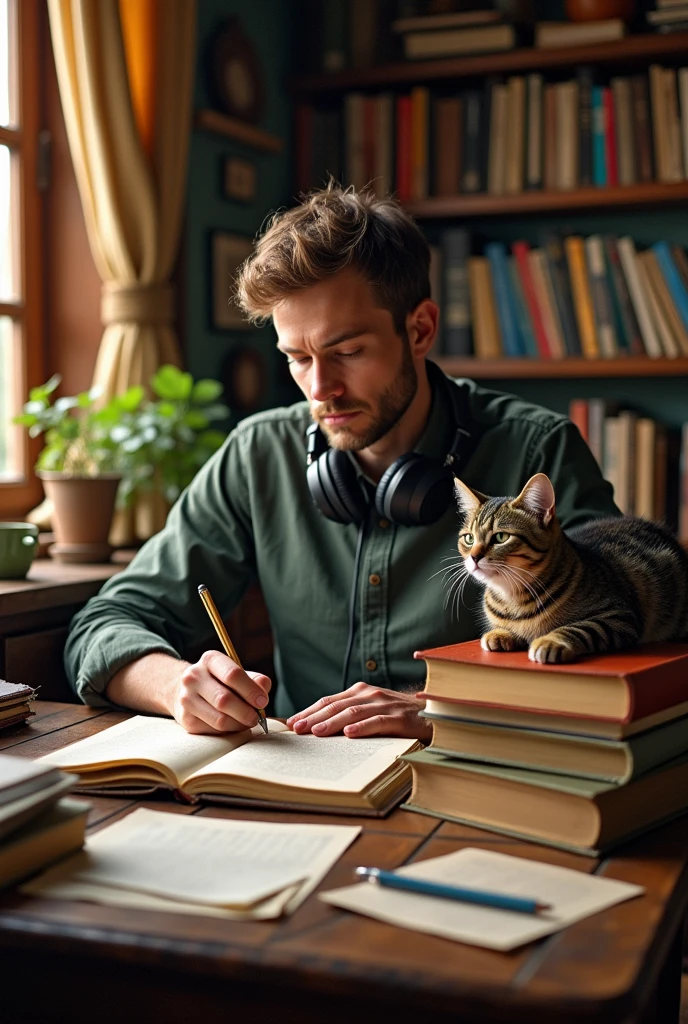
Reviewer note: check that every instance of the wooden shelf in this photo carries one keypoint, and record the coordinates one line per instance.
(633, 50)
(480, 204)
(502, 369)
(232, 128)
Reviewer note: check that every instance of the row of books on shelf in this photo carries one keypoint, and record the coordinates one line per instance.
(341, 34)
(595, 297)
(646, 463)
(580, 756)
(512, 135)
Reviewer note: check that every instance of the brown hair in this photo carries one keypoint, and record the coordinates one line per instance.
(331, 230)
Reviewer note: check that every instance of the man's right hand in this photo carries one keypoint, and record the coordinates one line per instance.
(217, 695)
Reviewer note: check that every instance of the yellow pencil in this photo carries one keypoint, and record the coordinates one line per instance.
(222, 633)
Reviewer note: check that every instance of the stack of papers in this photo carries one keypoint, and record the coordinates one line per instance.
(572, 895)
(157, 860)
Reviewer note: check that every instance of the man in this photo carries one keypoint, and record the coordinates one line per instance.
(344, 278)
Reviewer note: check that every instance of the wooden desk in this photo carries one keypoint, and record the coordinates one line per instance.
(80, 962)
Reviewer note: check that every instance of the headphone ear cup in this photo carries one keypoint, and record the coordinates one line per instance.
(414, 491)
(334, 487)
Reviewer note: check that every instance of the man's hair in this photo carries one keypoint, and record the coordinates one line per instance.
(329, 231)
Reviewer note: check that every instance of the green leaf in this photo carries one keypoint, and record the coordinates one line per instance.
(195, 419)
(132, 398)
(171, 383)
(43, 390)
(206, 390)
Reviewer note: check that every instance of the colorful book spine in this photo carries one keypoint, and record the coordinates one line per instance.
(403, 154)
(456, 310)
(556, 262)
(525, 324)
(677, 289)
(520, 251)
(628, 331)
(584, 77)
(582, 300)
(506, 311)
(601, 299)
(599, 155)
(610, 137)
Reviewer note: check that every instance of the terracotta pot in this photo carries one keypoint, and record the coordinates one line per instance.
(600, 10)
(83, 508)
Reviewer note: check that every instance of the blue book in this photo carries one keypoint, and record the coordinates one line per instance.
(673, 279)
(599, 160)
(525, 325)
(506, 311)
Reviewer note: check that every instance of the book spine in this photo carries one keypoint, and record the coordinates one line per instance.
(582, 301)
(497, 255)
(674, 145)
(584, 77)
(636, 288)
(403, 148)
(578, 414)
(677, 290)
(383, 170)
(471, 178)
(642, 132)
(601, 300)
(645, 444)
(547, 301)
(534, 132)
(447, 145)
(646, 271)
(683, 107)
(515, 135)
(628, 332)
(420, 103)
(354, 118)
(486, 334)
(562, 293)
(549, 138)
(599, 156)
(497, 138)
(520, 251)
(610, 137)
(525, 325)
(456, 305)
(623, 116)
(659, 122)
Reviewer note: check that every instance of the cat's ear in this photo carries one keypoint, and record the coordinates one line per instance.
(537, 496)
(468, 500)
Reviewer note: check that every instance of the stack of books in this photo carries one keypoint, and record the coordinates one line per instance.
(579, 756)
(38, 823)
(15, 703)
(455, 33)
(668, 16)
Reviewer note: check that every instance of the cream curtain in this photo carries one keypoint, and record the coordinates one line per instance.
(125, 74)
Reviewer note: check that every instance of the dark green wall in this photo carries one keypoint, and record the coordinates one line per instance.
(268, 24)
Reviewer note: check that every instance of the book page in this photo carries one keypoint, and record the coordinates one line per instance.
(331, 763)
(149, 741)
(573, 895)
(221, 863)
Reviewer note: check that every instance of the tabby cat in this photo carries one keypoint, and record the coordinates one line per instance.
(603, 586)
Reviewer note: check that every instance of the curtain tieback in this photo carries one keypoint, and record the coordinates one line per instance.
(137, 303)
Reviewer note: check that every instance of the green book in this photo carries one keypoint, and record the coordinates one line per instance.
(571, 812)
(616, 761)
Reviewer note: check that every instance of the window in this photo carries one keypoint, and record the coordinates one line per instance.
(21, 361)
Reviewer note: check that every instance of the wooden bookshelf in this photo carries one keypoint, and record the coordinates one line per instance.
(482, 204)
(524, 369)
(633, 51)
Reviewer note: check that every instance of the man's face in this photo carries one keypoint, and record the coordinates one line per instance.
(348, 360)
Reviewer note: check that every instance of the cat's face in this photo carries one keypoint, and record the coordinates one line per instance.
(503, 541)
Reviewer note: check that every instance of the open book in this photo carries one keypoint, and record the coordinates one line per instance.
(333, 774)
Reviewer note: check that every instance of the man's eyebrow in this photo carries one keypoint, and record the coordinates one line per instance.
(345, 336)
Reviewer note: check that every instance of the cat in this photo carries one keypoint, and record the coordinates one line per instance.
(603, 586)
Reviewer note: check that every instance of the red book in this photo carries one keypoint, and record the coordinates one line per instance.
(578, 414)
(610, 137)
(403, 148)
(520, 251)
(618, 687)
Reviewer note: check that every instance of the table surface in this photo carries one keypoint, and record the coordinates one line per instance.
(605, 968)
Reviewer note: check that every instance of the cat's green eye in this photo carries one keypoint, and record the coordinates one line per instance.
(501, 538)
(468, 539)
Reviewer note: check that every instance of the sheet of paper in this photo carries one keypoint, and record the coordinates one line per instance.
(572, 894)
(141, 739)
(334, 764)
(215, 862)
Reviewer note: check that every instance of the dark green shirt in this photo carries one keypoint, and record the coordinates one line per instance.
(248, 515)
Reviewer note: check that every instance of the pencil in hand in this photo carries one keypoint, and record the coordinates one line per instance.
(223, 635)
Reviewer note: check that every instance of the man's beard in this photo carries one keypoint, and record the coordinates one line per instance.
(392, 405)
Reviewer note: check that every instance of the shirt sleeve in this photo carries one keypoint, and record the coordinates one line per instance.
(581, 491)
(153, 604)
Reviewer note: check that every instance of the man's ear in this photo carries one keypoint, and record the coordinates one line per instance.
(537, 496)
(468, 500)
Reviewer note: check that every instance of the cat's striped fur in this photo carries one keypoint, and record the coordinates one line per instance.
(604, 586)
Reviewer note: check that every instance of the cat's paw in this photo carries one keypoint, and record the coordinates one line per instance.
(499, 640)
(552, 648)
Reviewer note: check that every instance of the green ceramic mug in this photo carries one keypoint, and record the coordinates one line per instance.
(18, 546)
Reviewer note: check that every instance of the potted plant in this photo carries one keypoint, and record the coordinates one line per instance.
(96, 454)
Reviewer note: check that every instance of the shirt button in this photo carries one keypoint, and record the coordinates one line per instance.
(374, 580)
(383, 524)
(371, 665)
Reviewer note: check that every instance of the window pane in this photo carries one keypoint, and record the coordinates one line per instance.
(9, 225)
(8, 64)
(10, 401)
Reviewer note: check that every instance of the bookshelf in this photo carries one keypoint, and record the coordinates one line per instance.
(567, 368)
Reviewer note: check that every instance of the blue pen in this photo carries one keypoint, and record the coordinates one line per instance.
(391, 879)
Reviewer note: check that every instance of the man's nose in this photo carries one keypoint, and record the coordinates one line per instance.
(324, 383)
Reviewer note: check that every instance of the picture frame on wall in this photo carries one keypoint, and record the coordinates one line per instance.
(239, 179)
(228, 252)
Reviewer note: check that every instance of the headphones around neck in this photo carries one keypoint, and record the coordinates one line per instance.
(414, 491)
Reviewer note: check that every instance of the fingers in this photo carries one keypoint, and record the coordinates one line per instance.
(216, 695)
(330, 705)
(363, 710)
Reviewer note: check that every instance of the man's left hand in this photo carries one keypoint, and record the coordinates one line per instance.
(364, 710)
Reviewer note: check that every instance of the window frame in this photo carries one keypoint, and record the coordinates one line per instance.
(17, 497)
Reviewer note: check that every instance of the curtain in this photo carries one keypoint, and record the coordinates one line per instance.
(125, 75)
